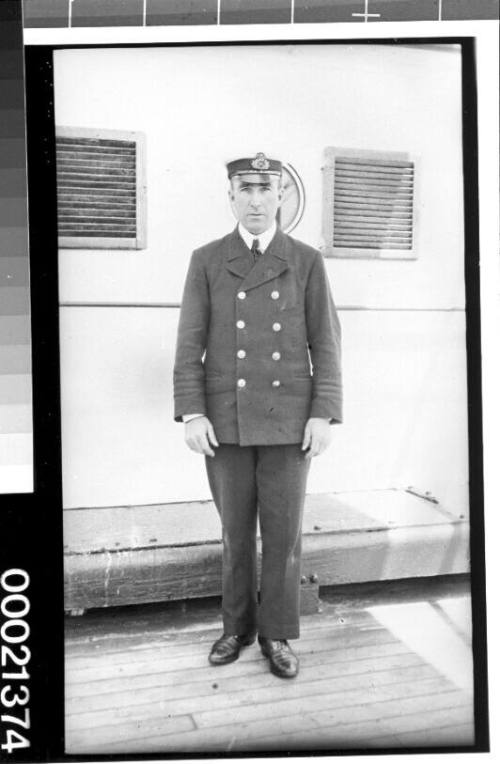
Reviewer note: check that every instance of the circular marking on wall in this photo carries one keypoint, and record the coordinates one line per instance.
(294, 198)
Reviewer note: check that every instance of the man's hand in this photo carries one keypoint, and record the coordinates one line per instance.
(200, 436)
(317, 436)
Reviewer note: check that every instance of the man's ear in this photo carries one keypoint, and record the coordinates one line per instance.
(230, 193)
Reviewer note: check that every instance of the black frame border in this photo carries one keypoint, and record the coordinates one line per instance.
(37, 519)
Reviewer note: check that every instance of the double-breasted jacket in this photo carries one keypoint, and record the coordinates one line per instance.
(258, 347)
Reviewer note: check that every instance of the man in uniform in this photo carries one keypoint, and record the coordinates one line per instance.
(257, 383)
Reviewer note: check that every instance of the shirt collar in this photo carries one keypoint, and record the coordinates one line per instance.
(264, 238)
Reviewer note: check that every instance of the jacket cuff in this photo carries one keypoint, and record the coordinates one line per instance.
(185, 410)
(188, 417)
(324, 410)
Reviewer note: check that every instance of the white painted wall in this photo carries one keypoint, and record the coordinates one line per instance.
(201, 107)
(405, 410)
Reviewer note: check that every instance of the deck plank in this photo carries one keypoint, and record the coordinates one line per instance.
(146, 639)
(451, 735)
(312, 640)
(400, 725)
(351, 690)
(243, 706)
(407, 724)
(225, 676)
(196, 659)
(360, 686)
(209, 691)
(119, 653)
(391, 702)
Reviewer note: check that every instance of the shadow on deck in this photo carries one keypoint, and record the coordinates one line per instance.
(382, 666)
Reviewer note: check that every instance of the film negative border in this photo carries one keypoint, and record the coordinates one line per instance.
(136, 13)
(31, 624)
(16, 412)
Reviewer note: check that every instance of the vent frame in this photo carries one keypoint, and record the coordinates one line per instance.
(82, 241)
(332, 249)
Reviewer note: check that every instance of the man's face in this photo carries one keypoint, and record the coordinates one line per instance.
(255, 200)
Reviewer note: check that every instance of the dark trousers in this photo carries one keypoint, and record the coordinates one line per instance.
(270, 481)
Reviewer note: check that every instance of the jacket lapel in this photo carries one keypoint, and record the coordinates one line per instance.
(238, 260)
(269, 265)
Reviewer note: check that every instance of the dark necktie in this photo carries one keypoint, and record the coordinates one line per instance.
(255, 250)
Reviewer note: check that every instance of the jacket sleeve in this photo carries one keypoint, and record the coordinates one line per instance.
(323, 336)
(189, 376)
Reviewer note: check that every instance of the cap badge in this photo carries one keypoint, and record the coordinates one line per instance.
(260, 162)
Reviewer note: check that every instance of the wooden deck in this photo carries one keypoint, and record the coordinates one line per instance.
(390, 668)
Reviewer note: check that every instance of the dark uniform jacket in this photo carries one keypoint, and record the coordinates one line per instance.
(258, 348)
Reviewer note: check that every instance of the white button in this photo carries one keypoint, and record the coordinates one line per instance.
(276, 383)
(276, 327)
(242, 295)
(241, 354)
(242, 382)
(240, 324)
(275, 295)
(276, 356)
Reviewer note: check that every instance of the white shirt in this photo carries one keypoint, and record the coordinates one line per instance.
(264, 239)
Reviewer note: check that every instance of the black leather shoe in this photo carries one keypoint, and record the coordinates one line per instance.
(227, 648)
(282, 660)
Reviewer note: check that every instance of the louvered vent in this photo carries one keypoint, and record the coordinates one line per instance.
(97, 191)
(373, 204)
